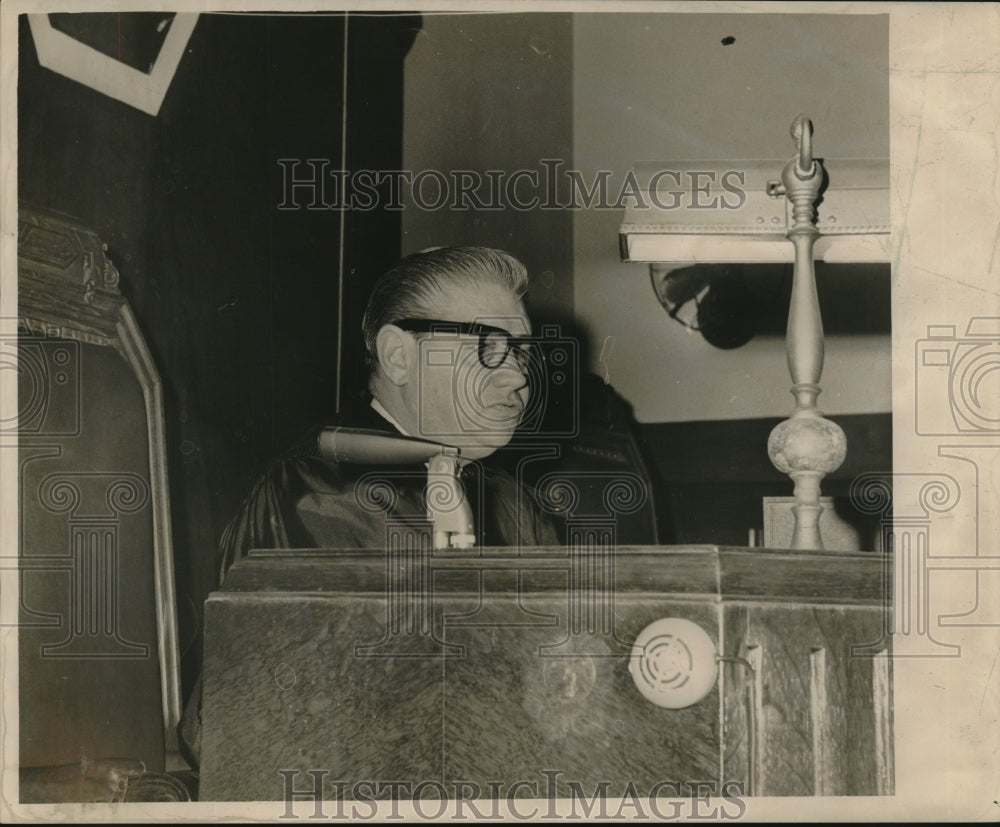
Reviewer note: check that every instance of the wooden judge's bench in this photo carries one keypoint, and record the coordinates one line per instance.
(491, 667)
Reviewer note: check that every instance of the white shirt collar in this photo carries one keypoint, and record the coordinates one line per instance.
(378, 406)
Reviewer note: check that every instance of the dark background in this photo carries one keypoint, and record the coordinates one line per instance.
(236, 298)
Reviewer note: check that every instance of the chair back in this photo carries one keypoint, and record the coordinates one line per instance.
(98, 659)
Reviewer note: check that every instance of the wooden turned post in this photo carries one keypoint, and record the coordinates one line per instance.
(806, 446)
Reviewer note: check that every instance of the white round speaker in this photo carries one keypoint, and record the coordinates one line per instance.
(673, 663)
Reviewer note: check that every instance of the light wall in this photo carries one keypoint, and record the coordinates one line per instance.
(660, 87)
(602, 91)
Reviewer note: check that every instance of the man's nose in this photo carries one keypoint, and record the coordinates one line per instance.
(510, 374)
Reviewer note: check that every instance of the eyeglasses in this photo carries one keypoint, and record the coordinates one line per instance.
(495, 343)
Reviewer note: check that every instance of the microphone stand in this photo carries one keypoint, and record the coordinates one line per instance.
(448, 509)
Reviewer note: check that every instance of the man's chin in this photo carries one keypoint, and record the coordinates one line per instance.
(482, 445)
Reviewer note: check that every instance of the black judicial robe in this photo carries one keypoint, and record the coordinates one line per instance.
(304, 501)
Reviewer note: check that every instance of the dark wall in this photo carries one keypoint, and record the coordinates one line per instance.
(710, 477)
(504, 84)
(238, 299)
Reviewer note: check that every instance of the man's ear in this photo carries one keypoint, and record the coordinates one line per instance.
(396, 353)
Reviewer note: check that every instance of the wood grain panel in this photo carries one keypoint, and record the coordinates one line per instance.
(809, 679)
(500, 690)
(720, 572)
(284, 690)
(572, 708)
(737, 754)
(883, 710)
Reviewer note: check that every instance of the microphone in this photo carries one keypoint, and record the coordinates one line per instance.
(366, 446)
(447, 507)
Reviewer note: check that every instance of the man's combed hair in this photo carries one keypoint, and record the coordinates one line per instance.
(408, 289)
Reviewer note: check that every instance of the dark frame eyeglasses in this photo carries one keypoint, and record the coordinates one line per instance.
(494, 345)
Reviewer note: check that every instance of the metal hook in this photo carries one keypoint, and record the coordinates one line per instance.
(802, 135)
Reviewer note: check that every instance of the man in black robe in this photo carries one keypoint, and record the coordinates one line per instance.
(305, 501)
(447, 341)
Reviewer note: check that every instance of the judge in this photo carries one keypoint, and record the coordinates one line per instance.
(448, 350)
(445, 334)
